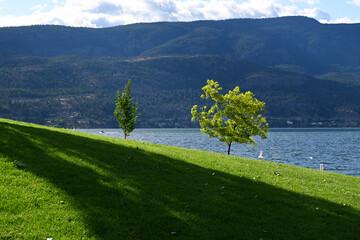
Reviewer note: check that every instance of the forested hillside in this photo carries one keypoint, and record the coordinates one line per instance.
(297, 42)
(308, 73)
(81, 92)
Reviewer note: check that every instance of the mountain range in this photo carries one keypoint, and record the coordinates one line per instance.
(307, 73)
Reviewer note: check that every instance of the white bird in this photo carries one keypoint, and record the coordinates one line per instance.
(261, 155)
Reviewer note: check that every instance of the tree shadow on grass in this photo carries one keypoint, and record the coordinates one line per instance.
(128, 193)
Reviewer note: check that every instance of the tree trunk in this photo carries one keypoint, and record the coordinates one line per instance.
(229, 144)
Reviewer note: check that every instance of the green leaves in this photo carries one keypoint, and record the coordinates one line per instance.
(125, 112)
(234, 117)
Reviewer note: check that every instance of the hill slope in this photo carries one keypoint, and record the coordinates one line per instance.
(80, 92)
(64, 184)
(68, 77)
(317, 48)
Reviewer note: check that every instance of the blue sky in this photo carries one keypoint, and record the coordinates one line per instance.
(105, 13)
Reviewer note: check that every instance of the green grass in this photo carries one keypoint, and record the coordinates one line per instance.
(63, 184)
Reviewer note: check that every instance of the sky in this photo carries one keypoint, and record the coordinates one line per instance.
(107, 13)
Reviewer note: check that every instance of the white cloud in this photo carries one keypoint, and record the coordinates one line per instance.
(309, 2)
(39, 8)
(340, 20)
(354, 2)
(316, 13)
(104, 13)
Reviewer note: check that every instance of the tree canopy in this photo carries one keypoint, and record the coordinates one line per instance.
(125, 113)
(233, 117)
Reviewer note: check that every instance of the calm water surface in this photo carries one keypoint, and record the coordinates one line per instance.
(337, 149)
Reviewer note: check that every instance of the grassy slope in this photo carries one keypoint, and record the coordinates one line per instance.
(71, 185)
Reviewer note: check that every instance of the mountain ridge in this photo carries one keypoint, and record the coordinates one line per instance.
(308, 73)
(289, 40)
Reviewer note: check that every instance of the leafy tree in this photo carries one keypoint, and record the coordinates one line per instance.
(125, 112)
(234, 117)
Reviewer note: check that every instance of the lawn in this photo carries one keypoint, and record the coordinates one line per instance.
(62, 184)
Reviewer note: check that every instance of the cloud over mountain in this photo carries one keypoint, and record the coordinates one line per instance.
(104, 13)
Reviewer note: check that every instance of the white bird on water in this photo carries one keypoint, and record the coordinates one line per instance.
(261, 155)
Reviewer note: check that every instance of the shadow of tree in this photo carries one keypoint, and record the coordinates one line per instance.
(128, 193)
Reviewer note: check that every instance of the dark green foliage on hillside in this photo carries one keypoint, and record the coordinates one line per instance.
(296, 41)
(68, 76)
(78, 91)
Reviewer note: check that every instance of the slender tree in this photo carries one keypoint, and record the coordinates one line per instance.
(125, 113)
(234, 117)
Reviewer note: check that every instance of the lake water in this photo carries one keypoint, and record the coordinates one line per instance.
(337, 149)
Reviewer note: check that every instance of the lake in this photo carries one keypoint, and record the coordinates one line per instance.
(338, 149)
